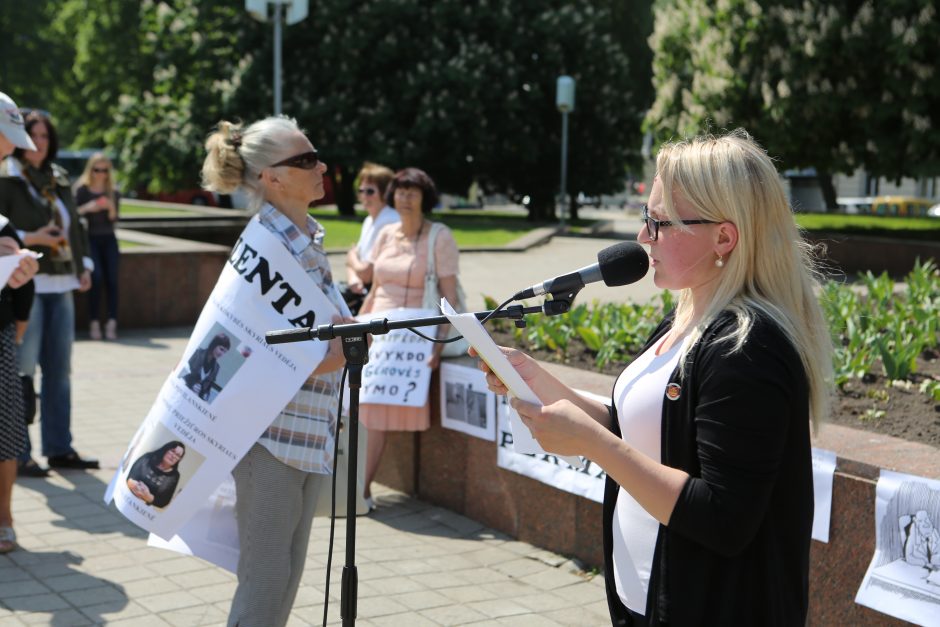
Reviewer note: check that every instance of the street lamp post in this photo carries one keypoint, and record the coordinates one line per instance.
(564, 100)
(296, 11)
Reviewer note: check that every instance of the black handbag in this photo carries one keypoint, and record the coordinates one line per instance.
(29, 399)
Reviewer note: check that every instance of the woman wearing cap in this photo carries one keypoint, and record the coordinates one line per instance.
(99, 202)
(35, 195)
(16, 298)
(708, 509)
(278, 480)
(373, 182)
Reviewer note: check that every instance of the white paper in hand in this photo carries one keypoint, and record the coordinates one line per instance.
(8, 264)
(472, 330)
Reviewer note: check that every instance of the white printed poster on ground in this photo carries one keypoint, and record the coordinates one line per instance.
(903, 579)
(824, 467)
(397, 372)
(470, 327)
(228, 387)
(586, 480)
(467, 405)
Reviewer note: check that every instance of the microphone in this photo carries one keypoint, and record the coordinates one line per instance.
(620, 264)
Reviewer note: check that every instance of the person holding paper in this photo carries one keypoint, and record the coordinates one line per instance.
(278, 480)
(16, 298)
(35, 195)
(400, 262)
(708, 509)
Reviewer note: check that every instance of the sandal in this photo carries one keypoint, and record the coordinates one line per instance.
(30, 468)
(7, 539)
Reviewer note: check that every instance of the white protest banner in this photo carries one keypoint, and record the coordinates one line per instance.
(397, 372)
(228, 387)
(586, 481)
(466, 403)
(824, 466)
(903, 579)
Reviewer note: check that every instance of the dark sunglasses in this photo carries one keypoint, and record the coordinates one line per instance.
(304, 161)
(653, 225)
(101, 170)
(368, 191)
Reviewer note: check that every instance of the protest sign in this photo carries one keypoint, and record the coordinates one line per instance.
(466, 403)
(226, 390)
(586, 480)
(397, 372)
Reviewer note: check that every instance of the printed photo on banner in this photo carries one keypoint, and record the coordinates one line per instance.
(397, 372)
(903, 579)
(466, 403)
(587, 481)
(214, 363)
(161, 469)
(228, 387)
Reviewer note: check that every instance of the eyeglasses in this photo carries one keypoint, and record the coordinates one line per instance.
(367, 191)
(101, 170)
(304, 161)
(653, 225)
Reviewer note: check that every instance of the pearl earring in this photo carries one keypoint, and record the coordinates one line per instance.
(720, 262)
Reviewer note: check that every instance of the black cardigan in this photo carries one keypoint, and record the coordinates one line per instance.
(736, 549)
(14, 303)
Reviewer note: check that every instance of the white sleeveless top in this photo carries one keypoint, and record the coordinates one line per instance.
(638, 396)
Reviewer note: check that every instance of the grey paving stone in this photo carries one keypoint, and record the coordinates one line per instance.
(94, 596)
(551, 579)
(394, 585)
(70, 617)
(24, 587)
(578, 616)
(378, 606)
(36, 603)
(454, 615)
(467, 594)
(519, 567)
(408, 619)
(422, 600)
(160, 603)
(8, 619)
(217, 592)
(494, 608)
(195, 616)
(526, 620)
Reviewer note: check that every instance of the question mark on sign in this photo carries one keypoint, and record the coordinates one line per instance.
(411, 385)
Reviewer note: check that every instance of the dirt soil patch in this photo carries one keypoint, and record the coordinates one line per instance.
(870, 404)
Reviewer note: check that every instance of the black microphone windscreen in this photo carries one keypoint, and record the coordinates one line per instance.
(623, 263)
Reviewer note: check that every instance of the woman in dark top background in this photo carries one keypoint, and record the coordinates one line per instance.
(204, 365)
(154, 476)
(99, 202)
(708, 508)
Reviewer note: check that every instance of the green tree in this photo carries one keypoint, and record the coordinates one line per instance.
(831, 85)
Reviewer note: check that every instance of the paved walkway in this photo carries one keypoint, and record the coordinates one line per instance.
(82, 563)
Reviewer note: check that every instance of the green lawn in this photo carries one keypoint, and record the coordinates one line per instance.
(484, 229)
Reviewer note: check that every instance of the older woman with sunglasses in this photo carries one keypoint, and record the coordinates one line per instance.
(708, 509)
(99, 202)
(373, 182)
(278, 480)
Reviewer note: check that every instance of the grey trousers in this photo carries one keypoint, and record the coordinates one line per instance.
(275, 505)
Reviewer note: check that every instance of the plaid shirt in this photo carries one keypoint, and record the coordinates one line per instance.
(302, 435)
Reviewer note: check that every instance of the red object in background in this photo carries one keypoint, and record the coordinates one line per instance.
(184, 196)
(640, 188)
(329, 196)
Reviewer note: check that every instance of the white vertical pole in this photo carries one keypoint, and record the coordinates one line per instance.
(564, 165)
(278, 14)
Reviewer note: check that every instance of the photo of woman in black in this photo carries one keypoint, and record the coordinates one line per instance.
(204, 365)
(154, 476)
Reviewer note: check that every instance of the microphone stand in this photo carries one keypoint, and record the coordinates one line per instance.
(356, 352)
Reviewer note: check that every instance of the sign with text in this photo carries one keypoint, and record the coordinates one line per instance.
(397, 372)
(228, 387)
(587, 481)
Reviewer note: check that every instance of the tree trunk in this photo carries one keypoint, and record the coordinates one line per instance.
(828, 190)
(572, 208)
(542, 207)
(343, 190)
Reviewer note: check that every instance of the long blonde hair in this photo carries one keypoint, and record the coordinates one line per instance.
(730, 178)
(85, 178)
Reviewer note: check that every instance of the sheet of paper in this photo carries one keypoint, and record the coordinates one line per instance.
(8, 264)
(824, 465)
(468, 326)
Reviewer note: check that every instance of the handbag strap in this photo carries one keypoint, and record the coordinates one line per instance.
(432, 238)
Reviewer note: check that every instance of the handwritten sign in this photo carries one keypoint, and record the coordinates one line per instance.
(397, 372)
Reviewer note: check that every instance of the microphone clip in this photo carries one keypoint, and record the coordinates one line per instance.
(560, 302)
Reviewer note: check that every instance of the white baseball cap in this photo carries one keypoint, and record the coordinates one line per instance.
(12, 125)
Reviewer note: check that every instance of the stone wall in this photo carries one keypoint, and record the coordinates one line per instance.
(460, 472)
